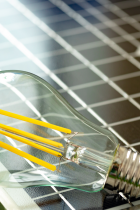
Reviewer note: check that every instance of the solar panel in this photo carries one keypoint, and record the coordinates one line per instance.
(92, 48)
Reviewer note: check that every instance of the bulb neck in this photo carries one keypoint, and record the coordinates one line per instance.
(124, 175)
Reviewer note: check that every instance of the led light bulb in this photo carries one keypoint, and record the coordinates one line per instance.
(88, 157)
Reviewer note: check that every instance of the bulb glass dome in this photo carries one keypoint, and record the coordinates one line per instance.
(87, 152)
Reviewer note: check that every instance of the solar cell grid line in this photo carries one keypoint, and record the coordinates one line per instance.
(89, 45)
(102, 103)
(88, 84)
(99, 62)
(51, 53)
(63, 51)
(122, 122)
(111, 24)
(60, 18)
(51, 194)
(134, 36)
(133, 145)
(125, 76)
(78, 47)
(27, 24)
(96, 63)
(68, 47)
(100, 82)
(57, 18)
(30, 105)
(125, 4)
(99, 43)
(135, 95)
(108, 60)
(120, 13)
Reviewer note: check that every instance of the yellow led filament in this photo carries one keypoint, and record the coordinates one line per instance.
(27, 156)
(23, 135)
(37, 122)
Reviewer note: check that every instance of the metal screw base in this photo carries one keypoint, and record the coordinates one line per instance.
(124, 175)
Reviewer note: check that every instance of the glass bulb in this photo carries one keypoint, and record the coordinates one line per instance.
(87, 153)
